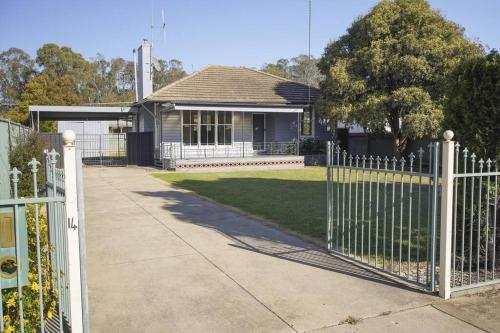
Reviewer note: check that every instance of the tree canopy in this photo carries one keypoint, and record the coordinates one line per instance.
(60, 76)
(16, 69)
(299, 69)
(388, 72)
(473, 105)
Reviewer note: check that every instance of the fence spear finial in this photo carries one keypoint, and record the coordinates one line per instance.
(34, 165)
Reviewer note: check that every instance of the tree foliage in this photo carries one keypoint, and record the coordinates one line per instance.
(60, 76)
(299, 69)
(167, 72)
(16, 69)
(473, 105)
(390, 68)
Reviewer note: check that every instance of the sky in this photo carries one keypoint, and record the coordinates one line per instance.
(201, 32)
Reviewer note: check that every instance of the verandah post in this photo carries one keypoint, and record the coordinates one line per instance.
(71, 203)
(445, 248)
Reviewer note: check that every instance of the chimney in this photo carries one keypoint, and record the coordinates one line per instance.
(144, 70)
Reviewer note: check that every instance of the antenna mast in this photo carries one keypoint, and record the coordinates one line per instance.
(309, 57)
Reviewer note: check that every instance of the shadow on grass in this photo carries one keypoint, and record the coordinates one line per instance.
(248, 234)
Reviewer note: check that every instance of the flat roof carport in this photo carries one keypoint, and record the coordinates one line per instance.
(64, 112)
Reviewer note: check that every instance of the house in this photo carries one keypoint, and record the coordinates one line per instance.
(225, 116)
(218, 116)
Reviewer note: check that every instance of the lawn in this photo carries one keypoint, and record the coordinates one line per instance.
(294, 199)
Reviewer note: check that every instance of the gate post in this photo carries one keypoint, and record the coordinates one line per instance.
(329, 207)
(71, 202)
(446, 216)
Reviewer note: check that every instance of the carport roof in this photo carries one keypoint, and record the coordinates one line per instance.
(64, 112)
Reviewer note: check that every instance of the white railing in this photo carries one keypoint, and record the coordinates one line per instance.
(174, 151)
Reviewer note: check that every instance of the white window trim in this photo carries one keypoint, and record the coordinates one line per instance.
(216, 143)
(313, 126)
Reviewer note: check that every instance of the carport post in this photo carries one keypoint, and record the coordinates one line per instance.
(73, 238)
(445, 249)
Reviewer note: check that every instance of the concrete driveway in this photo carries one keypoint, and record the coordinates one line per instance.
(163, 260)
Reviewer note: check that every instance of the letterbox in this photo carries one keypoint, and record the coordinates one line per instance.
(8, 265)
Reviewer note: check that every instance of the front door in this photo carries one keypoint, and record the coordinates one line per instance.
(258, 131)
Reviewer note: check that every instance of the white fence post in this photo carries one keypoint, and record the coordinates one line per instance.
(446, 217)
(70, 188)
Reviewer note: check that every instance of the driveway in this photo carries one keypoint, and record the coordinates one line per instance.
(163, 260)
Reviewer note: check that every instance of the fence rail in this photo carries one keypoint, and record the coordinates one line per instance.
(237, 149)
(383, 212)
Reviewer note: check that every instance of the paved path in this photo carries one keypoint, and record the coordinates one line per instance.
(163, 260)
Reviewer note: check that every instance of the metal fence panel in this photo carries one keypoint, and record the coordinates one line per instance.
(384, 212)
(475, 244)
(36, 296)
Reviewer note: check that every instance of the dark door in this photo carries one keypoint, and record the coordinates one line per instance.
(258, 131)
(343, 138)
(140, 148)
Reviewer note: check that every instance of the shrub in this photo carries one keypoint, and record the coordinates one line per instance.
(25, 148)
(31, 301)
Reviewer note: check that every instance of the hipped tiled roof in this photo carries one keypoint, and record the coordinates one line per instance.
(226, 84)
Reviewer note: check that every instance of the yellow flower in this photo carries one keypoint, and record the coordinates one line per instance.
(49, 314)
(9, 329)
(11, 302)
(34, 286)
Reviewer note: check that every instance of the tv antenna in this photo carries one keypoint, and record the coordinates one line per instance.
(162, 26)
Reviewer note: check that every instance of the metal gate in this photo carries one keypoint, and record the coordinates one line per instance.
(140, 148)
(96, 149)
(42, 279)
(383, 212)
(103, 149)
(387, 214)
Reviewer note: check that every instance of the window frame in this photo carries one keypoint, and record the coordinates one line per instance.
(198, 126)
(312, 123)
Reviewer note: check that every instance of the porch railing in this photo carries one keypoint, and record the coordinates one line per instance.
(173, 151)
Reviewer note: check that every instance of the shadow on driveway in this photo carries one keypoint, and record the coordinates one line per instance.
(251, 235)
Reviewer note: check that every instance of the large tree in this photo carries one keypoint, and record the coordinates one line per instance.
(473, 105)
(166, 72)
(16, 69)
(387, 73)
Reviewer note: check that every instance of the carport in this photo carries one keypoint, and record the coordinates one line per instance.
(97, 149)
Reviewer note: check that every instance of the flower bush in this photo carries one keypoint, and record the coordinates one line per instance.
(31, 300)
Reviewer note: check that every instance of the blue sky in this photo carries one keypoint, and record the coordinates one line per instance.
(201, 32)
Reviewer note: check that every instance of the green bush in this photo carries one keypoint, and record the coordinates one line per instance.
(31, 301)
(25, 148)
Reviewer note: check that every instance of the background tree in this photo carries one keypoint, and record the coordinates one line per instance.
(16, 69)
(167, 72)
(473, 105)
(280, 68)
(299, 69)
(390, 69)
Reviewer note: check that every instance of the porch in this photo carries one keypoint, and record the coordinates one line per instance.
(188, 138)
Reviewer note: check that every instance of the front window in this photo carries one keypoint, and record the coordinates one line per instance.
(207, 128)
(224, 128)
(306, 122)
(190, 128)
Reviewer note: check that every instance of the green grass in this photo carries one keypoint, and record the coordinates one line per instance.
(294, 199)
